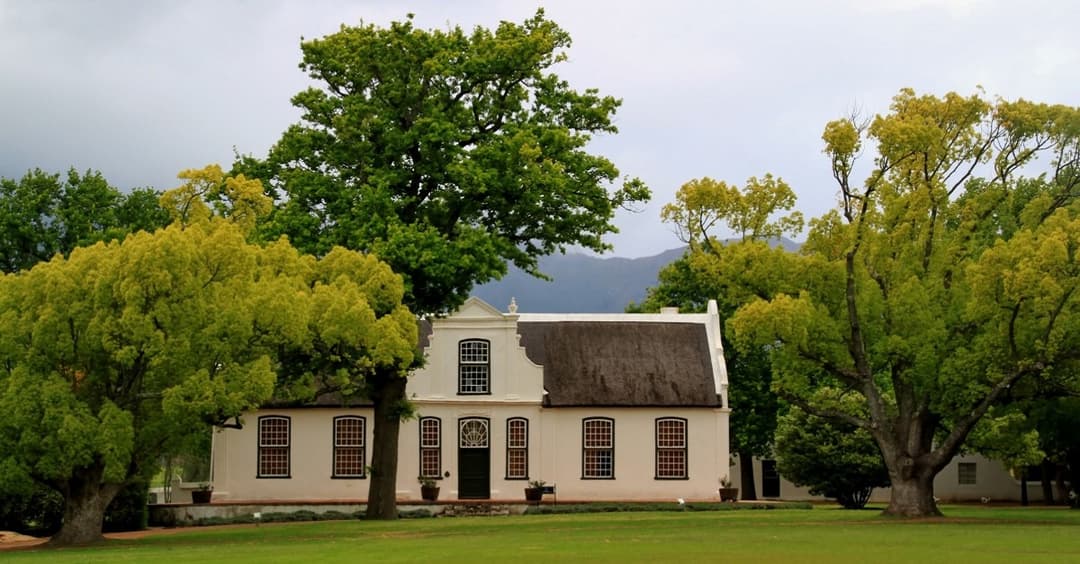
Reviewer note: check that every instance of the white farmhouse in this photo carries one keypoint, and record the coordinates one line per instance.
(604, 406)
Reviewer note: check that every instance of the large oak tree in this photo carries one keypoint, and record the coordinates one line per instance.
(447, 154)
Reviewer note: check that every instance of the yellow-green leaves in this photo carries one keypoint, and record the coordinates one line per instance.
(111, 356)
(208, 192)
(751, 212)
(1028, 288)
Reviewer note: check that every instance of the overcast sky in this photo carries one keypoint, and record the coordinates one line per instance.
(142, 89)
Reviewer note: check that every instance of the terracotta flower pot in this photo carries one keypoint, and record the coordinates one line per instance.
(429, 493)
(729, 494)
(201, 496)
(534, 494)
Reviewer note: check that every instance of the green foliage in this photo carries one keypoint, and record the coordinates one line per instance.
(751, 213)
(36, 510)
(445, 153)
(943, 281)
(282, 517)
(122, 352)
(128, 510)
(832, 459)
(44, 214)
(209, 192)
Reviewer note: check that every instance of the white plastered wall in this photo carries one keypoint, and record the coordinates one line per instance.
(555, 434)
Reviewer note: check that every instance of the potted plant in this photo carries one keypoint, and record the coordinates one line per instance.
(728, 493)
(202, 493)
(428, 490)
(535, 491)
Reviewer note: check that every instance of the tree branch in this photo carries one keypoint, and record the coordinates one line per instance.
(826, 413)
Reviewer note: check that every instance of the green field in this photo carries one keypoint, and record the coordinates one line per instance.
(969, 534)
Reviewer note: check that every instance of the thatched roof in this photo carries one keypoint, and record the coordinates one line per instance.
(605, 363)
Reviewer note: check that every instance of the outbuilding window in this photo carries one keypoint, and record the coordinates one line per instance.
(966, 473)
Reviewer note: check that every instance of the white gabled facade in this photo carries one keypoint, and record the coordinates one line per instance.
(477, 436)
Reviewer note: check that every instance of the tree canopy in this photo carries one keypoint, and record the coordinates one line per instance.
(831, 458)
(945, 278)
(44, 214)
(733, 273)
(113, 355)
(447, 154)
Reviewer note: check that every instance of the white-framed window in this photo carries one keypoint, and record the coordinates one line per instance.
(671, 448)
(598, 448)
(274, 439)
(349, 446)
(473, 433)
(430, 447)
(517, 449)
(474, 367)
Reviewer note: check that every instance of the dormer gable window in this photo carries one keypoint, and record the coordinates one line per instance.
(474, 367)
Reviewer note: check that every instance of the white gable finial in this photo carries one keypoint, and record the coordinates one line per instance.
(513, 305)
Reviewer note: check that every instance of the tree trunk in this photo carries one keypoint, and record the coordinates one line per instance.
(84, 508)
(1059, 483)
(912, 496)
(388, 393)
(1023, 487)
(746, 476)
(1047, 486)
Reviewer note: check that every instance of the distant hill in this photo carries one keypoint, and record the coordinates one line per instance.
(583, 284)
(580, 284)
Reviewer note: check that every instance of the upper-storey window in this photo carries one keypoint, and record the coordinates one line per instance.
(474, 367)
(349, 455)
(273, 447)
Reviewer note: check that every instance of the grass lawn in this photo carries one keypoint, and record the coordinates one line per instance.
(969, 534)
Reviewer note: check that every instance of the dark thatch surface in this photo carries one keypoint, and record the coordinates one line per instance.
(604, 363)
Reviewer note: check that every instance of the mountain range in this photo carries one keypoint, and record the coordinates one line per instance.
(582, 283)
(579, 283)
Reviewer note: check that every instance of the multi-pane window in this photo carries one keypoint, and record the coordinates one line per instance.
(671, 448)
(966, 473)
(598, 448)
(273, 447)
(474, 367)
(349, 451)
(430, 447)
(517, 449)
